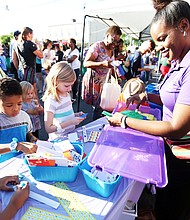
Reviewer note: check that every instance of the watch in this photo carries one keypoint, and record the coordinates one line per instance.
(123, 122)
(13, 145)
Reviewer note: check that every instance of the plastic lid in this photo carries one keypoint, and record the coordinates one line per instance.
(131, 154)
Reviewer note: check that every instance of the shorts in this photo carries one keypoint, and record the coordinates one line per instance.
(29, 75)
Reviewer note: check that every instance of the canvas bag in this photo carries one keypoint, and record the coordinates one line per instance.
(110, 93)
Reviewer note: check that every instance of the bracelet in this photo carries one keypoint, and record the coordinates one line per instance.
(123, 122)
(59, 128)
(13, 145)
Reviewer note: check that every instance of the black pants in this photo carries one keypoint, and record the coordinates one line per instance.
(14, 71)
(75, 85)
(36, 133)
(173, 201)
(97, 113)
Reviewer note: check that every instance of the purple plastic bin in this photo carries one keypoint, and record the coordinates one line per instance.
(131, 154)
(144, 109)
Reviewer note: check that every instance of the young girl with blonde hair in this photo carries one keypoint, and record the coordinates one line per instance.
(31, 106)
(59, 117)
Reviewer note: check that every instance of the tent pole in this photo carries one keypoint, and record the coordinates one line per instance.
(81, 64)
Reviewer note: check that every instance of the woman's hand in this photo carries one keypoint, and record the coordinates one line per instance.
(107, 64)
(115, 120)
(136, 99)
(13, 180)
(27, 147)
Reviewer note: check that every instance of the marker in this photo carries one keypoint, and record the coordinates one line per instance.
(22, 185)
(83, 115)
(84, 134)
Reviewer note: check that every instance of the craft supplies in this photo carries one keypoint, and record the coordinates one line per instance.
(103, 175)
(63, 146)
(133, 114)
(91, 127)
(94, 136)
(83, 115)
(84, 134)
(108, 114)
(44, 199)
(37, 196)
(35, 213)
(41, 162)
(70, 202)
(73, 137)
(98, 181)
(65, 169)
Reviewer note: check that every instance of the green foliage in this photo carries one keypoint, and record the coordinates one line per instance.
(128, 40)
(6, 38)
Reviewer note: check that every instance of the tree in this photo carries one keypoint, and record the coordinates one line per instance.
(6, 39)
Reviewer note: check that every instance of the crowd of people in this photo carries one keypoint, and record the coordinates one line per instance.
(44, 69)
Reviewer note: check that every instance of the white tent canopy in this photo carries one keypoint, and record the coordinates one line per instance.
(132, 16)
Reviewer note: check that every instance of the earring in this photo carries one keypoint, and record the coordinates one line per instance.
(185, 34)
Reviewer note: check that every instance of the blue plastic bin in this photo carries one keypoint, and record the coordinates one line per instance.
(104, 189)
(57, 173)
(152, 88)
(6, 156)
(154, 106)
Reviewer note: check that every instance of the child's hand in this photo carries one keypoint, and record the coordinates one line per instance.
(13, 180)
(77, 120)
(27, 147)
(78, 114)
(20, 196)
(40, 109)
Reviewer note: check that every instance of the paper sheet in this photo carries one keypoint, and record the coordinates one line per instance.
(35, 213)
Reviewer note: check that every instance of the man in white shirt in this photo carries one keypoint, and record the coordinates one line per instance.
(13, 69)
(72, 57)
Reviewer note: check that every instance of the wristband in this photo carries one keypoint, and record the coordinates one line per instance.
(123, 122)
(59, 128)
(13, 145)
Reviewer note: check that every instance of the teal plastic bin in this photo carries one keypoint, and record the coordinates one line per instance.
(57, 173)
(9, 155)
(104, 189)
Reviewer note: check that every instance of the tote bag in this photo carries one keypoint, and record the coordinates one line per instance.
(110, 93)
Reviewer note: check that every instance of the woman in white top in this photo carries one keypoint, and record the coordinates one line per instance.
(48, 52)
(72, 57)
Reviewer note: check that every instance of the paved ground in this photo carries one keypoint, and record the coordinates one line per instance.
(82, 107)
